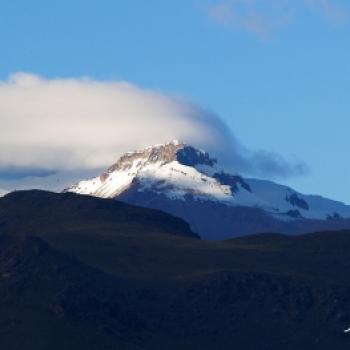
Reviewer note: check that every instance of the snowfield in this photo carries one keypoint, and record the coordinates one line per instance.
(177, 170)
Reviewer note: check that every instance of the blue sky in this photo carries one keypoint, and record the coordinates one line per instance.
(278, 76)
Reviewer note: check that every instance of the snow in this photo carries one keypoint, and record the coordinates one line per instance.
(157, 176)
(186, 180)
(274, 197)
(176, 180)
(113, 185)
(173, 180)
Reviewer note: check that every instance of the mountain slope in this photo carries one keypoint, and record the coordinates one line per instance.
(51, 301)
(90, 288)
(28, 212)
(188, 183)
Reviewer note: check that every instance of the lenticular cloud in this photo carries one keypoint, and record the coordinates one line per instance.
(69, 124)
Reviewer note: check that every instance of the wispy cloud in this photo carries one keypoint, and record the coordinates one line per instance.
(262, 17)
(57, 125)
(331, 9)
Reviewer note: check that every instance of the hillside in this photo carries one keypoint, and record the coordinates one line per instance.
(135, 286)
(40, 211)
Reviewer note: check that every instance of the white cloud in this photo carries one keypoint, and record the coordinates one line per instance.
(69, 123)
(79, 125)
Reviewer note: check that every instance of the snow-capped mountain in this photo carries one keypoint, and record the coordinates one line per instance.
(187, 182)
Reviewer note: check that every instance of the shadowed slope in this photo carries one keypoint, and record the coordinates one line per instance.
(83, 285)
(40, 211)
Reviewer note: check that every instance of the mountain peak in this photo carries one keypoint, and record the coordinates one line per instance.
(185, 181)
(171, 144)
(164, 153)
(176, 164)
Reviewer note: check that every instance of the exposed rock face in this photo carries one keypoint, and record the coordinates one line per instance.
(190, 156)
(173, 151)
(298, 202)
(233, 181)
(160, 153)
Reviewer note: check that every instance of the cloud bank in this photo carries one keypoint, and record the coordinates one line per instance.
(57, 125)
(261, 17)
